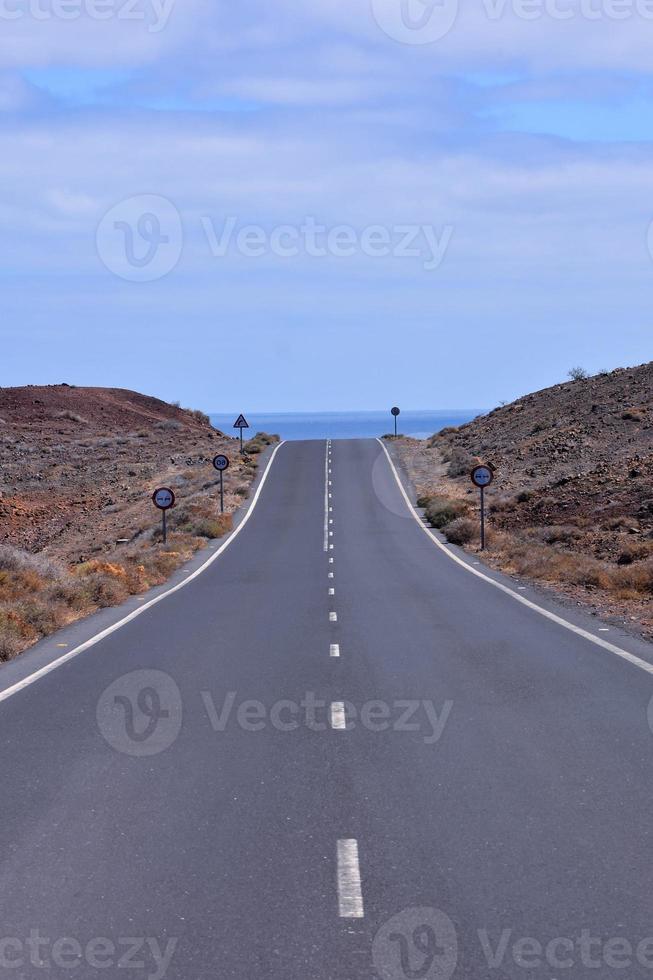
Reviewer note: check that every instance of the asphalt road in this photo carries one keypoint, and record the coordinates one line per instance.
(413, 777)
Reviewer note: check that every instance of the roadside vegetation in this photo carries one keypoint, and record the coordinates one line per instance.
(571, 507)
(39, 595)
(78, 530)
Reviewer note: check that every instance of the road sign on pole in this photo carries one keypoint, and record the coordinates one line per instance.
(241, 423)
(482, 477)
(221, 464)
(164, 499)
(396, 412)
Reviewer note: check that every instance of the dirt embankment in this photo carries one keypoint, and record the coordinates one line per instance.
(77, 526)
(572, 501)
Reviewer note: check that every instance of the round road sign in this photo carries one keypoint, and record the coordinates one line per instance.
(221, 462)
(395, 411)
(163, 498)
(482, 476)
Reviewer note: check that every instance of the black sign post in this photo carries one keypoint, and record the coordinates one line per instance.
(396, 412)
(221, 464)
(241, 423)
(164, 499)
(482, 477)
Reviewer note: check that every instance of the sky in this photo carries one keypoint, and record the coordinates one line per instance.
(335, 205)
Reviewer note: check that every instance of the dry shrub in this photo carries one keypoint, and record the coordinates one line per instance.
(560, 534)
(462, 531)
(71, 417)
(461, 463)
(636, 551)
(15, 560)
(633, 580)
(209, 527)
(441, 511)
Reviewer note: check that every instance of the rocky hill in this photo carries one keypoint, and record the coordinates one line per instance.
(78, 528)
(573, 486)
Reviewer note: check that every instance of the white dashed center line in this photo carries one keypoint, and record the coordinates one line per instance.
(326, 499)
(334, 650)
(330, 574)
(332, 591)
(333, 617)
(338, 716)
(350, 895)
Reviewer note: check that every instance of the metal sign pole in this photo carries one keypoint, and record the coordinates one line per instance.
(241, 439)
(395, 426)
(482, 518)
(165, 528)
(221, 493)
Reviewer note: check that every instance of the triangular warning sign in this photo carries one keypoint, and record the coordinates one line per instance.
(241, 423)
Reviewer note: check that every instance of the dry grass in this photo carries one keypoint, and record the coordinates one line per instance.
(39, 596)
(547, 554)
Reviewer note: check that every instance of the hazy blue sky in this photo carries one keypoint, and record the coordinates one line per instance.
(505, 145)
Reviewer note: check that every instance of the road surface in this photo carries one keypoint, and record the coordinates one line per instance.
(335, 754)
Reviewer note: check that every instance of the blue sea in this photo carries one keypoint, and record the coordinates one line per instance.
(346, 425)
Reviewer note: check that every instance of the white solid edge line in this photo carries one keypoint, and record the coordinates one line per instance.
(32, 678)
(578, 630)
(350, 895)
(338, 716)
(334, 650)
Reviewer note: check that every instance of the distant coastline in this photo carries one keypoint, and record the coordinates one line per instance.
(347, 425)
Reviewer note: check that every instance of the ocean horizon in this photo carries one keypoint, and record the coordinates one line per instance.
(345, 425)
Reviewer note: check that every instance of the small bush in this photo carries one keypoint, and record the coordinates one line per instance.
(15, 560)
(207, 527)
(524, 496)
(578, 373)
(634, 552)
(168, 425)
(441, 511)
(461, 531)
(461, 463)
(72, 417)
(560, 534)
(633, 580)
(199, 416)
(11, 642)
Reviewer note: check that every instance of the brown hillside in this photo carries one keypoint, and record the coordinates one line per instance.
(572, 502)
(78, 528)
